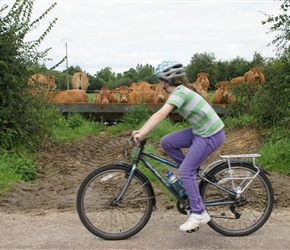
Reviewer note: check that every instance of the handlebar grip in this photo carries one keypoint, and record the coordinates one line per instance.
(131, 140)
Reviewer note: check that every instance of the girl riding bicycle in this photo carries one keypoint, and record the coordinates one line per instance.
(203, 137)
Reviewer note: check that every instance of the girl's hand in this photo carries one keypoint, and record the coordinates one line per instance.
(137, 137)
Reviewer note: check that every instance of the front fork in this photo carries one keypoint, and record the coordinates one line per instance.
(129, 176)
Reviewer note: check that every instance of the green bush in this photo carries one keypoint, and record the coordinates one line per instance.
(271, 105)
(24, 120)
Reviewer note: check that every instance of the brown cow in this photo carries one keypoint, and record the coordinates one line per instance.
(223, 94)
(42, 82)
(202, 78)
(80, 81)
(238, 81)
(68, 96)
(196, 86)
(148, 91)
(141, 86)
(162, 95)
(128, 95)
(255, 75)
(105, 95)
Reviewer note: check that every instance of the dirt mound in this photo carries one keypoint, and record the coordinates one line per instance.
(63, 166)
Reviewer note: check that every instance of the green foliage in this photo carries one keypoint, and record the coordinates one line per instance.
(23, 119)
(136, 114)
(276, 153)
(75, 126)
(238, 67)
(271, 105)
(146, 73)
(280, 25)
(238, 121)
(243, 104)
(105, 77)
(15, 167)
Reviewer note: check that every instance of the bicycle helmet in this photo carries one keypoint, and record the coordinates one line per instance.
(169, 69)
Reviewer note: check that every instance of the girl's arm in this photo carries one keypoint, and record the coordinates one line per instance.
(152, 122)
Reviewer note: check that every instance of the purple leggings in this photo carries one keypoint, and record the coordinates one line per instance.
(199, 149)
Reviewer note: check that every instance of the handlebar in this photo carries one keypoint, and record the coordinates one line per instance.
(131, 140)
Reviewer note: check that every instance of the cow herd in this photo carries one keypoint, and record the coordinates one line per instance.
(224, 94)
(141, 91)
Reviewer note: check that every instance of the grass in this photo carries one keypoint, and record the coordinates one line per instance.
(276, 154)
(75, 127)
(15, 167)
(92, 97)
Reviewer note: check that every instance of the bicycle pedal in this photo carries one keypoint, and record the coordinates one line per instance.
(193, 230)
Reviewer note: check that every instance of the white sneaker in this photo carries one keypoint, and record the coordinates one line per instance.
(194, 221)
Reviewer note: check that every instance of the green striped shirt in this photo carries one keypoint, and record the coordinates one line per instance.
(196, 110)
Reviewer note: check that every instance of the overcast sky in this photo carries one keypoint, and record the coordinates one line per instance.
(121, 34)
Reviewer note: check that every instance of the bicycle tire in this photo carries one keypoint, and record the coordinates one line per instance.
(255, 204)
(114, 221)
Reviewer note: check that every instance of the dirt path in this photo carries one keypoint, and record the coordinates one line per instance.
(63, 166)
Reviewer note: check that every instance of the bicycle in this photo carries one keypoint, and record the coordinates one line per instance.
(115, 201)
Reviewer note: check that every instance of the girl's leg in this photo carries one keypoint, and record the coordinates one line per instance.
(199, 149)
(172, 144)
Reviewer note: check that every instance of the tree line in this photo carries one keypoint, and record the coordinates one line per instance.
(200, 62)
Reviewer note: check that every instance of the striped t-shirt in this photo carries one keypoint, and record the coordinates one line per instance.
(196, 110)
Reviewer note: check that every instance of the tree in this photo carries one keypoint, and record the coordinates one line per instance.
(105, 77)
(146, 73)
(238, 67)
(131, 74)
(22, 118)
(258, 59)
(202, 63)
(71, 70)
(222, 71)
(280, 25)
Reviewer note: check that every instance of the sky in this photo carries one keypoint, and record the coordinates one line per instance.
(122, 34)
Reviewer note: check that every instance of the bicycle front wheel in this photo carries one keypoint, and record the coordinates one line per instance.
(232, 214)
(108, 219)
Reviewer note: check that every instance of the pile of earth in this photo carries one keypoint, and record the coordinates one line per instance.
(63, 166)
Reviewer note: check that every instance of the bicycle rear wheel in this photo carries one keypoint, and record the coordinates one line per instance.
(250, 211)
(107, 219)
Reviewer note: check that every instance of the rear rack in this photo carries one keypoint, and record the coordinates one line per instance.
(240, 156)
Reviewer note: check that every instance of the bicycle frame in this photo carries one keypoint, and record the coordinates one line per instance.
(141, 155)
